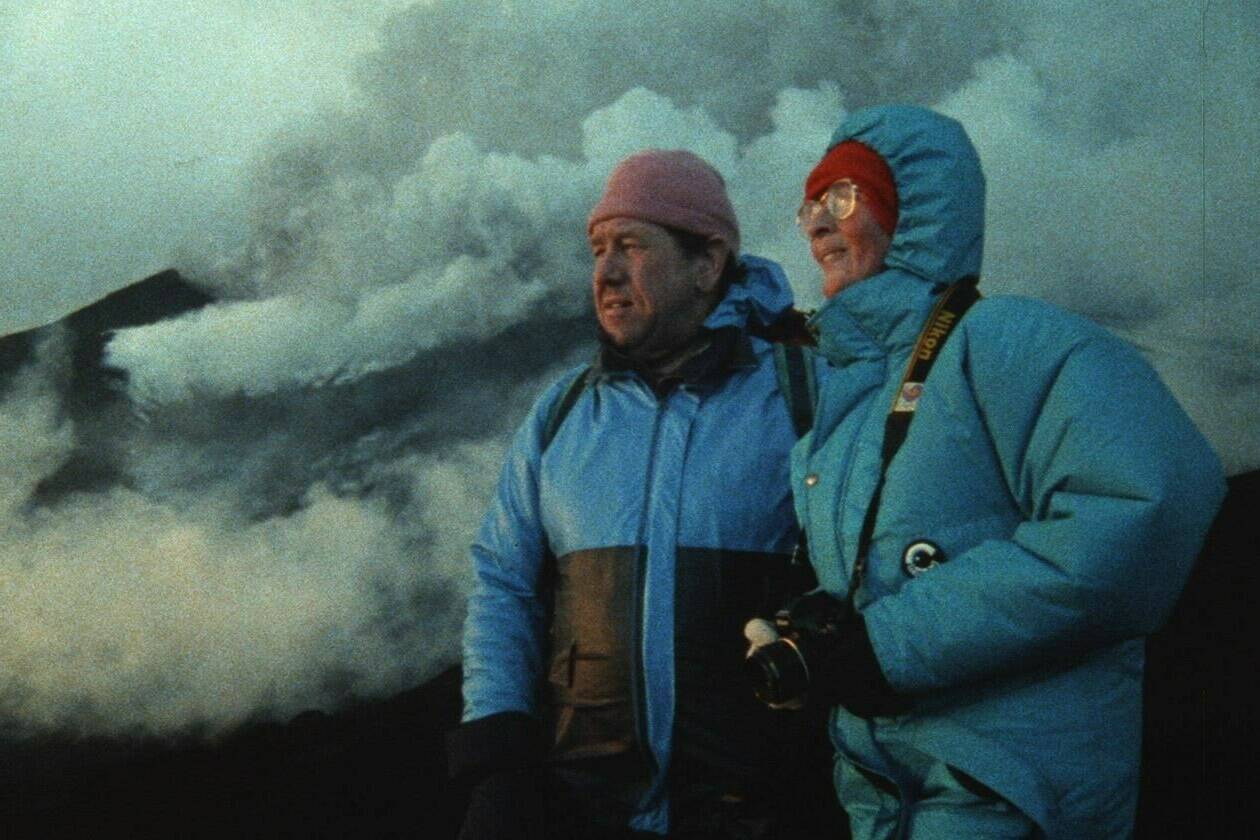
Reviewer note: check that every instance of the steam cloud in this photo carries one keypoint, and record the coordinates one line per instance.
(286, 525)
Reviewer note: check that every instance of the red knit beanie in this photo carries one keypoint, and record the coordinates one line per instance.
(863, 167)
(673, 188)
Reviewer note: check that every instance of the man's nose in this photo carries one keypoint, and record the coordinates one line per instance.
(608, 270)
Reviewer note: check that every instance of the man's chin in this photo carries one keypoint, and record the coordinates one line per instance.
(620, 343)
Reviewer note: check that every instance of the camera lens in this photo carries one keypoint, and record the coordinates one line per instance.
(777, 672)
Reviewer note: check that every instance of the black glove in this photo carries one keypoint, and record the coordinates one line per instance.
(500, 756)
(824, 653)
(507, 805)
(504, 741)
(851, 675)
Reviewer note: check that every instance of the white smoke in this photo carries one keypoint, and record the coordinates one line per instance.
(136, 617)
(288, 527)
(136, 612)
(459, 248)
(34, 438)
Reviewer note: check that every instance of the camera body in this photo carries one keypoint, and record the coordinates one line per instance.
(786, 669)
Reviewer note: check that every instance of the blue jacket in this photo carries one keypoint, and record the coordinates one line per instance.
(654, 527)
(1065, 486)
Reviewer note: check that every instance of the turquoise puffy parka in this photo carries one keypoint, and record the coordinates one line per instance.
(617, 563)
(1065, 487)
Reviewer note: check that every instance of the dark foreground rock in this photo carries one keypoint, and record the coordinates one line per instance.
(374, 770)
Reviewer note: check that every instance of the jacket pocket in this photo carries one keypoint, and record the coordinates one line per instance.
(591, 668)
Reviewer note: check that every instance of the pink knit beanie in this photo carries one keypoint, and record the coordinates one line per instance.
(673, 188)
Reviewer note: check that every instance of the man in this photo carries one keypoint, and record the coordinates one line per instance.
(987, 571)
(642, 513)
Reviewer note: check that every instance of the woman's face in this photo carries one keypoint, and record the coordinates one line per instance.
(847, 250)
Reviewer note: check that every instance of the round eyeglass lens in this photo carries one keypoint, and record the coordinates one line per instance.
(839, 202)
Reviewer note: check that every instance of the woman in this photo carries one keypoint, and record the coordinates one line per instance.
(983, 644)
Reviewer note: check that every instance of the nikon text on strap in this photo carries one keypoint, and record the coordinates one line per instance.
(954, 302)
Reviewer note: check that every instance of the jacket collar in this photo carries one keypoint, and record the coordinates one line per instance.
(728, 349)
(758, 299)
(878, 316)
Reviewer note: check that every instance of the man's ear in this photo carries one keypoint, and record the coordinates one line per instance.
(712, 261)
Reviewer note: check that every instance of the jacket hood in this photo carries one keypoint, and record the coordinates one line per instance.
(758, 299)
(940, 188)
(939, 235)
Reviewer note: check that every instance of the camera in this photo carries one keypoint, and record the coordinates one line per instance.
(808, 627)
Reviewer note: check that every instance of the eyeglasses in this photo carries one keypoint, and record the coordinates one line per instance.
(839, 202)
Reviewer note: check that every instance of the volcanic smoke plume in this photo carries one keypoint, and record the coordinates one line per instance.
(259, 500)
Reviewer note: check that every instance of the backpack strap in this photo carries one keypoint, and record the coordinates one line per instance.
(797, 383)
(792, 364)
(560, 408)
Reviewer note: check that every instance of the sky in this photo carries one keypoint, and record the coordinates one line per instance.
(388, 201)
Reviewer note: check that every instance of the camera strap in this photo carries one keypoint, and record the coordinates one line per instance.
(953, 304)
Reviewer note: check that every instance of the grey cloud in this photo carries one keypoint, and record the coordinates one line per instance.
(521, 76)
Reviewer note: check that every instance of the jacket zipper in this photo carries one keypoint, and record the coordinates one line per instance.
(640, 587)
(857, 569)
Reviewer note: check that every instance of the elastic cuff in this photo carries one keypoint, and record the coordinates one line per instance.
(503, 741)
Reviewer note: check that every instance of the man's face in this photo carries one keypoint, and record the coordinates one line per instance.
(650, 296)
(848, 250)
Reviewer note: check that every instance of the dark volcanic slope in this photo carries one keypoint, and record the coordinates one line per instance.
(164, 295)
(374, 770)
